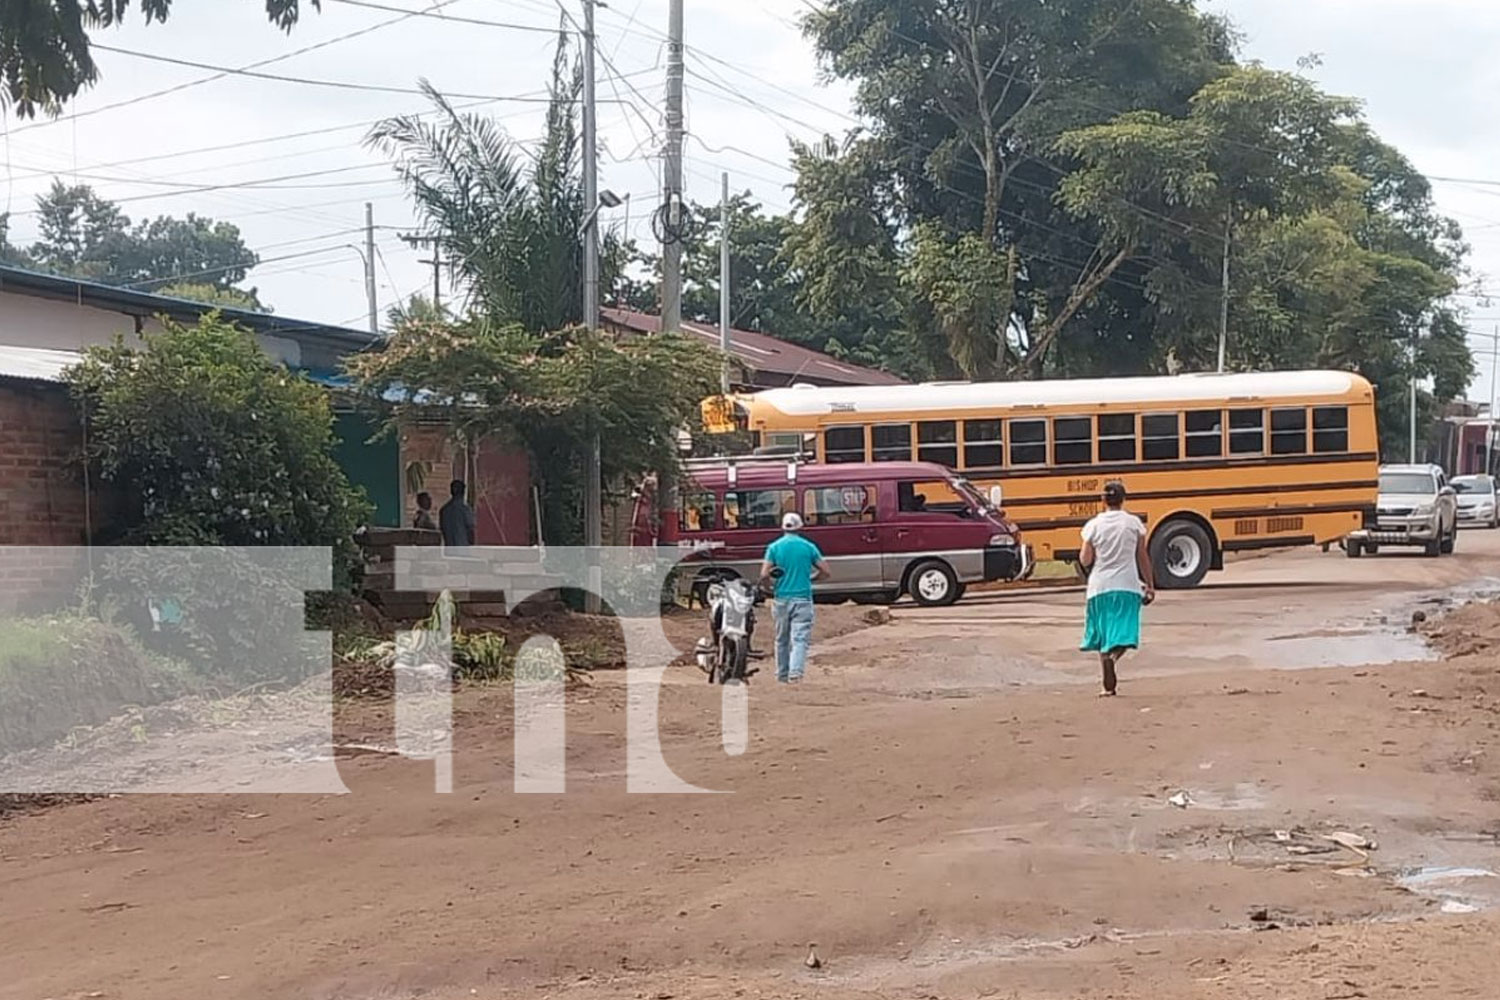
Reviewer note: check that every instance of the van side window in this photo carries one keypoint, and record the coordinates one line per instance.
(937, 441)
(758, 508)
(892, 443)
(1159, 437)
(1205, 433)
(822, 505)
(983, 444)
(1072, 441)
(843, 444)
(1028, 442)
(1289, 431)
(1330, 428)
(697, 512)
(1117, 437)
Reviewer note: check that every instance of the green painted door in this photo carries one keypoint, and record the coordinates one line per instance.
(373, 465)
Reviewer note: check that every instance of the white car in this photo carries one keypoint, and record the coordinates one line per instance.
(1416, 506)
(1477, 501)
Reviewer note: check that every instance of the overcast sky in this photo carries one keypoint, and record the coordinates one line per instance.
(752, 83)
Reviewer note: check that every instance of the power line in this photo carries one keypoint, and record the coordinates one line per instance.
(311, 82)
(220, 74)
(454, 18)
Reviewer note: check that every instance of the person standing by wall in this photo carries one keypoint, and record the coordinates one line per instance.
(1120, 582)
(800, 563)
(456, 518)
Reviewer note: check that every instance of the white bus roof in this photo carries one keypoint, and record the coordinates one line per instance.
(817, 400)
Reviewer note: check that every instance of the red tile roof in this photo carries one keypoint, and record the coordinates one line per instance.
(784, 362)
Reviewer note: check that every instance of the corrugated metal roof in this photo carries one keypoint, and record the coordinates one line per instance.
(36, 364)
(764, 353)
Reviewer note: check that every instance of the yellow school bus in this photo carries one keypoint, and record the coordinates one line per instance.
(1213, 463)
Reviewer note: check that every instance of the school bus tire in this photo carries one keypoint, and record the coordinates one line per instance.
(1182, 551)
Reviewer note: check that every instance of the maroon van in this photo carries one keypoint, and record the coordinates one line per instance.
(882, 535)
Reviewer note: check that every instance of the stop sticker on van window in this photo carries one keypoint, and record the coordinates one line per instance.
(855, 498)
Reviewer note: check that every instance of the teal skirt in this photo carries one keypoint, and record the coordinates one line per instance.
(1113, 621)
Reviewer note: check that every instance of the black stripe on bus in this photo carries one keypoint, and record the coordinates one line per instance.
(1218, 491)
(1235, 513)
(1251, 544)
(1062, 522)
(1180, 465)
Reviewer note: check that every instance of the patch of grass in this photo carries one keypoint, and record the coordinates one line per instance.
(58, 673)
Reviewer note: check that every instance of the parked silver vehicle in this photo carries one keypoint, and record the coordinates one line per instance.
(1416, 506)
(1477, 502)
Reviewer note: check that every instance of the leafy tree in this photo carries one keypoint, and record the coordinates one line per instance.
(1331, 267)
(485, 379)
(963, 99)
(86, 236)
(210, 442)
(233, 298)
(44, 44)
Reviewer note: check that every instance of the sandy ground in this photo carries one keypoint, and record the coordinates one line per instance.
(944, 809)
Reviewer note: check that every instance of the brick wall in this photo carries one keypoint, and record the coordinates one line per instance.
(43, 513)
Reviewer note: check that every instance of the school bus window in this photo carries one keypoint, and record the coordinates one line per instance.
(839, 505)
(1247, 432)
(1117, 437)
(983, 445)
(698, 512)
(937, 441)
(892, 443)
(843, 444)
(1159, 437)
(1072, 441)
(1289, 431)
(1205, 433)
(1028, 442)
(758, 508)
(1330, 429)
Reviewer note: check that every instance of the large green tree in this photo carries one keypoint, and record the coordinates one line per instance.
(44, 44)
(85, 236)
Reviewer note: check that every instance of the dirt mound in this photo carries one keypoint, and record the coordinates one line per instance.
(1465, 631)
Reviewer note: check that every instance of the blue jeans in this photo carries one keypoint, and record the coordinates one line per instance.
(794, 622)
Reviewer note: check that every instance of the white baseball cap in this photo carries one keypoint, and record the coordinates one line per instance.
(791, 521)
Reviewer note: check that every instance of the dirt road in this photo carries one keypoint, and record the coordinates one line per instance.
(944, 809)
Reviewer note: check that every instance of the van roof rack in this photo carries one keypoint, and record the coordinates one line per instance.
(787, 456)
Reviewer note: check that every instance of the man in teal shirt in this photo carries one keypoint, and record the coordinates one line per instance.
(800, 563)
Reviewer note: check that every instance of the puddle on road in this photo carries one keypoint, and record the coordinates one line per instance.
(1457, 890)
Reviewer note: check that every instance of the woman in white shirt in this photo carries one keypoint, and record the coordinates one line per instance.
(1120, 582)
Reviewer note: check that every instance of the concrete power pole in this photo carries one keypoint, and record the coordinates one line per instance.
(671, 209)
(724, 276)
(370, 267)
(593, 491)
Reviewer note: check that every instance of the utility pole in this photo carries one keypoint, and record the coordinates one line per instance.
(1224, 292)
(370, 267)
(1489, 431)
(671, 221)
(413, 240)
(1411, 448)
(593, 491)
(724, 335)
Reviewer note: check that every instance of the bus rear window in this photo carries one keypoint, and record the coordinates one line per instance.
(1330, 429)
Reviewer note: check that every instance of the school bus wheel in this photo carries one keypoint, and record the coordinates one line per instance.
(1181, 554)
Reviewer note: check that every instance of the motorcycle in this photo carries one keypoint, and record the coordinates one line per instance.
(731, 622)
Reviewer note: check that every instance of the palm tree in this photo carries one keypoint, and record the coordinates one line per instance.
(512, 234)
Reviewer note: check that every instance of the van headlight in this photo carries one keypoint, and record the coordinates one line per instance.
(1003, 541)
(1425, 510)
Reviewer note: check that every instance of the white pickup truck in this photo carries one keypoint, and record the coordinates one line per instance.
(1416, 506)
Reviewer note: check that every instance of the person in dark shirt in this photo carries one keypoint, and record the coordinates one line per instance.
(456, 519)
(424, 519)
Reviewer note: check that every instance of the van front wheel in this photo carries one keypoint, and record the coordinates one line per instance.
(1181, 554)
(933, 584)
